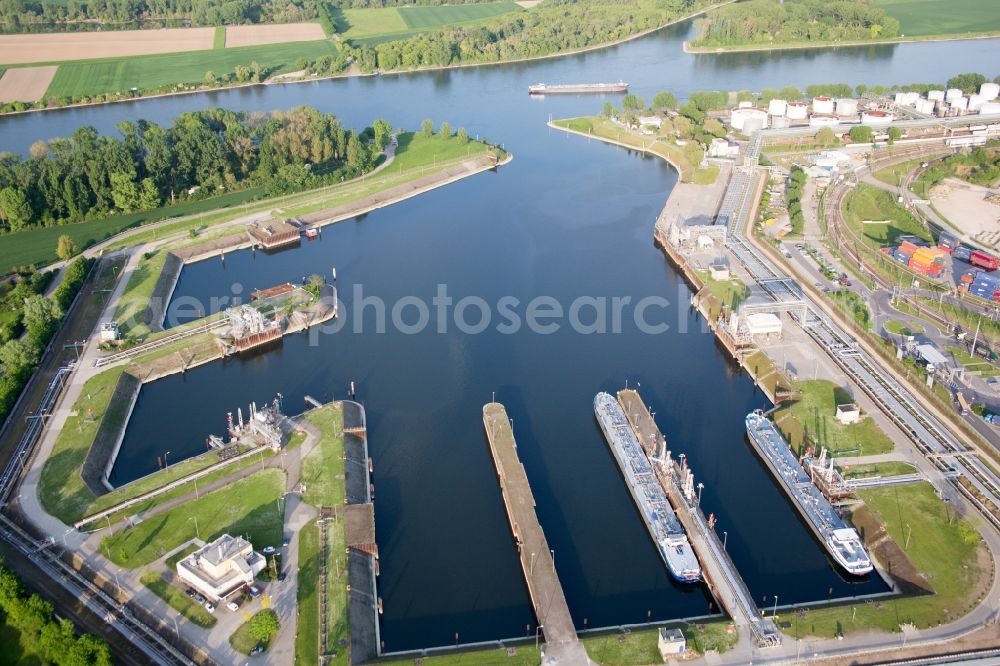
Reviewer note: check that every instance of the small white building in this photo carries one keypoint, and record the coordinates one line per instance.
(823, 105)
(718, 271)
(221, 567)
(722, 148)
(848, 414)
(764, 323)
(989, 91)
(655, 121)
(670, 643)
(797, 110)
(757, 118)
(109, 332)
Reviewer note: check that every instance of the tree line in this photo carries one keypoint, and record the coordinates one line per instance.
(53, 641)
(771, 21)
(89, 175)
(555, 25)
(43, 15)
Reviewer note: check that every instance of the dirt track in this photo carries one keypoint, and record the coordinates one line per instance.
(26, 84)
(50, 47)
(255, 35)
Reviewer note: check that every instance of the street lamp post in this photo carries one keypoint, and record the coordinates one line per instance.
(538, 630)
(725, 538)
(774, 611)
(197, 532)
(166, 465)
(701, 486)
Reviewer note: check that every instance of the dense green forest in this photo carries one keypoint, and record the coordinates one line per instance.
(555, 25)
(795, 21)
(90, 175)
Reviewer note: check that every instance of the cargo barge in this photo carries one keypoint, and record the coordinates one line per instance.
(841, 541)
(649, 496)
(577, 88)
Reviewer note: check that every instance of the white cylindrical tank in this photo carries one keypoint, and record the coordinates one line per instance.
(779, 122)
(952, 94)
(776, 107)
(745, 104)
(906, 98)
(875, 118)
(847, 106)
(823, 120)
(797, 110)
(754, 124)
(975, 101)
(989, 91)
(925, 106)
(822, 105)
(989, 108)
(960, 103)
(935, 95)
(740, 116)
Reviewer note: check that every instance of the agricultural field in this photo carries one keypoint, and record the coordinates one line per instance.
(25, 84)
(371, 26)
(95, 77)
(942, 17)
(257, 35)
(58, 46)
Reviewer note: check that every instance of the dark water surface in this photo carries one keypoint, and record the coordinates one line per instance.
(567, 219)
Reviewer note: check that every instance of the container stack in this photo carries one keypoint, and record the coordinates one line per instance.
(961, 252)
(986, 285)
(928, 260)
(947, 242)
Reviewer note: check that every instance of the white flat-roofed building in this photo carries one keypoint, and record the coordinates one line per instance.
(763, 323)
(221, 567)
(670, 643)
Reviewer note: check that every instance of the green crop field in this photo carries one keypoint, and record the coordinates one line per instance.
(371, 26)
(94, 77)
(942, 17)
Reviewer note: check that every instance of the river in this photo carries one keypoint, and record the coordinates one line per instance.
(567, 218)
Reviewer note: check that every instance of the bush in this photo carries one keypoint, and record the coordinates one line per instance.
(861, 134)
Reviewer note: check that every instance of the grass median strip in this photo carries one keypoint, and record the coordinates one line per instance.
(177, 600)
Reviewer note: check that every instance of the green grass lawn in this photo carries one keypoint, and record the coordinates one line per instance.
(219, 41)
(307, 606)
(730, 292)
(248, 506)
(892, 468)
(323, 467)
(941, 546)
(371, 26)
(815, 410)
(903, 328)
(942, 17)
(179, 601)
(152, 72)
(972, 363)
(38, 246)
(138, 291)
(865, 202)
(853, 305)
(242, 641)
(893, 175)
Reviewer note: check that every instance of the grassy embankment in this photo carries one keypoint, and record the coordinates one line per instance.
(891, 468)
(945, 550)
(248, 506)
(416, 156)
(177, 600)
(602, 128)
(242, 640)
(852, 305)
(372, 26)
(323, 478)
(975, 364)
(813, 415)
(724, 293)
(903, 328)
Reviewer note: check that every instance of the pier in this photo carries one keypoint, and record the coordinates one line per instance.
(561, 643)
(718, 571)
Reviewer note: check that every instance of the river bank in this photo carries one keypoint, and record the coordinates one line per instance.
(353, 72)
(708, 50)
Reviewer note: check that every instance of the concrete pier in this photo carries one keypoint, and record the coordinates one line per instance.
(718, 571)
(561, 643)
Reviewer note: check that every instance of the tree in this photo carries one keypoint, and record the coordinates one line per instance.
(663, 101)
(264, 624)
(209, 77)
(968, 82)
(714, 127)
(827, 137)
(40, 318)
(149, 198)
(65, 247)
(383, 133)
(17, 355)
(683, 125)
(692, 112)
(14, 208)
(609, 110)
(895, 134)
(124, 192)
(427, 127)
(445, 130)
(633, 103)
(791, 93)
(861, 134)
(462, 136)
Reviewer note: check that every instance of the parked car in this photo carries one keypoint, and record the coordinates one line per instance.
(256, 651)
(199, 598)
(284, 541)
(209, 606)
(268, 550)
(189, 592)
(282, 576)
(254, 592)
(233, 606)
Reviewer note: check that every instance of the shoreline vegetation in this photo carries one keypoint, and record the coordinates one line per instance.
(743, 48)
(281, 77)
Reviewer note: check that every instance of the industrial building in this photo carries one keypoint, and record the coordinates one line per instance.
(221, 567)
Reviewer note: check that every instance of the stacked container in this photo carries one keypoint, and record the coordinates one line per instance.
(961, 252)
(927, 260)
(947, 242)
(986, 286)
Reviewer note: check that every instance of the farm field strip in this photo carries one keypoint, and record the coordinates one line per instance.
(62, 46)
(25, 84)
(275, 33)
(942, 17)
(370, 26)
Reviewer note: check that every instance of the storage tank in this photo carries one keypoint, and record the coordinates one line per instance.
(925, 106)
(989, 108)
(847, 106)
(797, 110)
(822, 105)
(975, 101)
(935, 95)
(875, 118)
(754, 124)
(779, 122)
(740, 116)
(989, 91)
(960, 103)
(776, 107)
(823, 120)
(746, 104)
(952, 94)
(906, 98)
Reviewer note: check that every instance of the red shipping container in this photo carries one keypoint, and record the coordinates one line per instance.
(983, 260)
(907, 247)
